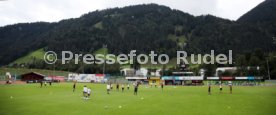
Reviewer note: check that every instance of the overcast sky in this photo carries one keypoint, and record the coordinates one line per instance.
(17, 11)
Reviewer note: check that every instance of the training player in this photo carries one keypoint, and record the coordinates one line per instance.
(127, 86)
(74, 87)
(162, 85)
(136, 88)
(220, 88)
(108, 88)
(50, 83)
(209, 89)
(230, 85)
(85, 92)
(88, 93)
(117, 87)
(123, 87)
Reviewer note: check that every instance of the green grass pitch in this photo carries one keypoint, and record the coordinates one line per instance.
(59, 99)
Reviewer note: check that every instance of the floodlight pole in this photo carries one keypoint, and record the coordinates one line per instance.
(268, 69)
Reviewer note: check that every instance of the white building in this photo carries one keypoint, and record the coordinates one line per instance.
(142, 72)
(223, 69)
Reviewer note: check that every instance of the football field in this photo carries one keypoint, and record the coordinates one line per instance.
(59, 99)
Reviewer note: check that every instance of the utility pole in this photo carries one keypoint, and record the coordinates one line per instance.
(104, 46)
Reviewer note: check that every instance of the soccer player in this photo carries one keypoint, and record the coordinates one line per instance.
(162, 85)
(50, 83)
(117, 87)
(111, 86)
(127, 86)
(108, 88)
(230, 85)
(136, 88)
(123, 87)
(209, 89)
(85, 92)
(74, 87)
(88, 93)
(220, 88)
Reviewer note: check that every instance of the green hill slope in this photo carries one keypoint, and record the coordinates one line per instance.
(37, 54)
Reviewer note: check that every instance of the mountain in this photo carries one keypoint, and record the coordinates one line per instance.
(263, 19)
(145, 28)
(264, 12)
(20, 39)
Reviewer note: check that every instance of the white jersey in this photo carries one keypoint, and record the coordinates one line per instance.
(107, 86)
(88, 90)
(85, 89)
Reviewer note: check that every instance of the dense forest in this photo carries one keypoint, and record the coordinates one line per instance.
(145, 28)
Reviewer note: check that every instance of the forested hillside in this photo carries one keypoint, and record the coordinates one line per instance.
(141, 27)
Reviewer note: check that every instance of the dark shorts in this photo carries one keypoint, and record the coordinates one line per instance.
(220, 88)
